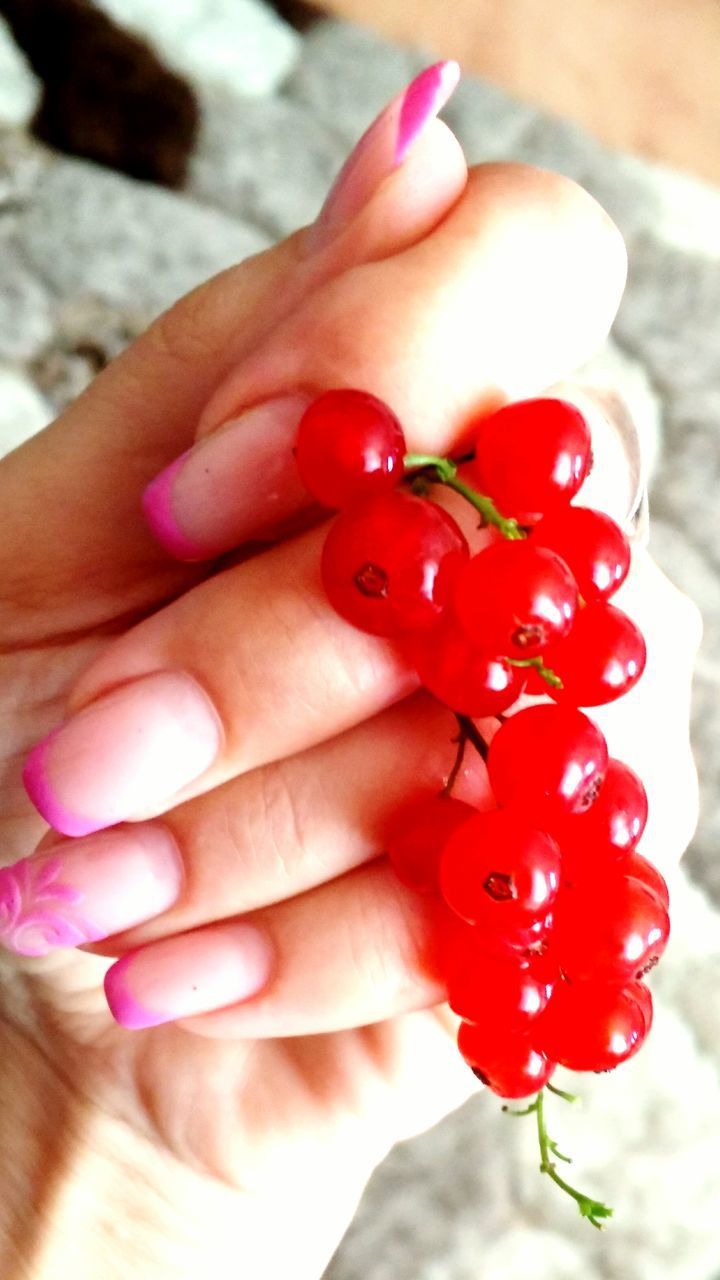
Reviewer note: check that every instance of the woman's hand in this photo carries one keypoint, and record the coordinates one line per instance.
(250, 743)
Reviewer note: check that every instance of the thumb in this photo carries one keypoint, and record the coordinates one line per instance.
(73, 538)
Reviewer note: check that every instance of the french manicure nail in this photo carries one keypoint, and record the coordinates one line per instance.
(232, 484)
(126, 755)
(187, 975)
(82, 891)
(382, 149)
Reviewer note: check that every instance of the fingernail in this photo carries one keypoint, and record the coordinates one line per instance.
(82, 891)
(124, 756)
(231, 485)
(382, 149)
(188, 975)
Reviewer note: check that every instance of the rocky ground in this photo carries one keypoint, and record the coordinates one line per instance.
(88, 256)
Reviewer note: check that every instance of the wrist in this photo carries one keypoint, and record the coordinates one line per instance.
(84, 1195)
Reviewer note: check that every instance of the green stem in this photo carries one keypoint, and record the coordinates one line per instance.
(594, 1210)
(446, 473)
(546, 673)
(561, 1093)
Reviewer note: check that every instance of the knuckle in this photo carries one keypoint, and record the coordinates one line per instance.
(183, 334)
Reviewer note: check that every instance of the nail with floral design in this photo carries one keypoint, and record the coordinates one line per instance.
(85, 890)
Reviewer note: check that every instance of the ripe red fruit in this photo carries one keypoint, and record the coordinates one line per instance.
(349, 445)
(499, 991)
(592, 545)
(647, 873)
(599, 660)
(547, 760)
(388, 564)
(593, 1026)
(531, 457)
(641, 994)
(508, 1064)
(613, 824)
(417, 836)
(454, 670)
(516, 599)
(611, 929)
(499, 871)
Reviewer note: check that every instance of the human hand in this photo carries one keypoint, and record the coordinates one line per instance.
(328, 1044)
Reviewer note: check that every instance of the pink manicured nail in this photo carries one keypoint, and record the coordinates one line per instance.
(81, 891)
(231, 485)
(383, 148)
(187, 975)
(125, 756)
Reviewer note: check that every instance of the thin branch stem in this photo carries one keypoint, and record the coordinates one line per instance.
(473, 735)
(452, 777)
(445, 472)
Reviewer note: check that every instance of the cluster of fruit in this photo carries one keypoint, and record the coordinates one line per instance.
(553, 917)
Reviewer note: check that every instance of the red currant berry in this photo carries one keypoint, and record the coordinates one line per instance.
(417, 835)
(508, 1064)
(592, 545)
(613, 930)
(499, 871)
(547, 760)
(516, 599)
(454, 670)
(613, 824)
(532, 456)
(646, 872)
(591, 1026)
(349, 445)
(388, 564)
(499, 991)
(601, 659)
(641, 994)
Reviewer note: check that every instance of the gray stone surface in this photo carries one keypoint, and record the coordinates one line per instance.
(239, 44)
(19, 89)
(87, 257)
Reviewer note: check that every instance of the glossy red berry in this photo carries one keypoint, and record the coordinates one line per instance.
(389, 564)
(349, 445)
(646, 872)
(417, 835)
(613, 929)
(516, 599)
(532, 456)
(546, 760)
(499, 871)
(501, 992)
(593, 1026)
(454, 670)
(592, 545)
(641, 994)
(508, 1064)
(600, 659)
(613, 824)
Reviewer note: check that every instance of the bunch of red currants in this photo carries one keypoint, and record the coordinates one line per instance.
(551, 918)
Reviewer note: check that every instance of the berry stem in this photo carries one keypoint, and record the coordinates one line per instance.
(546, 673)
(472, 734)
(594, 1210)
(452, 777)
(446, 473)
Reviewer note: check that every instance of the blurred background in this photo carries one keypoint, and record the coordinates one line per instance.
(145, 145)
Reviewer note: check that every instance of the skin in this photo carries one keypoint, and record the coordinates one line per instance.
(218, 1141)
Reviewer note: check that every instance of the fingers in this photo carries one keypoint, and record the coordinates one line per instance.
(90, 554)
(354, 951)
(281, 830)
(517, 284)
